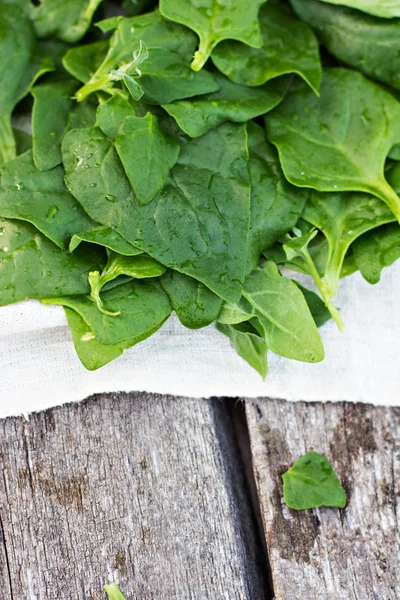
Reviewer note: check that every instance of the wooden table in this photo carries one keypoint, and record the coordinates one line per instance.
(177, 498)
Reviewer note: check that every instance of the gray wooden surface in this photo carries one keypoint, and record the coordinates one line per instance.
(146, 490)
(181, 499)
(327, 554)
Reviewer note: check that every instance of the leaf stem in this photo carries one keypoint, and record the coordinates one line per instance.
(386, 193)
(97, 282)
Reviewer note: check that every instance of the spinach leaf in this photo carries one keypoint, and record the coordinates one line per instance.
(52, 106)
(82, 61)
(165, 75)
(289, 46)
(197, 225)
(231, 102)
(248, 343)
(69, 21)
(214, 21)
(340, 141)
(232, 314)
(112, 112)
(366, 43)
(380, 8)
(376, 250)
(276, 205)
(195, 305)
(112, 589)
(290, 332)
(147, 155)
(107, 237)
(142, 305)
(137, 267)
(33, 267)
(42, 199)
(320, 313)
(312, 482)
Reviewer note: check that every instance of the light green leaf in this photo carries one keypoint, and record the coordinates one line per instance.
(380, 8)
(320, 313)
(340, 141)
(69, 21)
(142, 306)
(231, 102)
(195, 305)
(366, 43)
(147, 155)
(33, 267)
(112, 589)
(50, 118)
(311, 482)
(214, 21)
(111, 113)
(288, 326)
(248, 344)
(107, 237)
(197, 225)
(41, 198)
(82, 61)
(289, 46)
(376, 250)
(276, 205)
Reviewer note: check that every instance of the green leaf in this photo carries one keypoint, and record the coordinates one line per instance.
(380, 8)
(111, 113)
(232, 314)
(69, 21)
(312, 482)
(295, 246)
(147, 155)
(107, 237)
(33, 267)
(214, 21)
(368, 44)
(142, 306)
(202, 213)
(52, 106)
(137, 267)
(289, 328)
(112, 589)
(248, 344)
(289, 46)
(231, 102)
(319, 311)
(376, 250)
(42, 199)
(340, 141)
(195, 305)
(165, 75)
(276, 205)
(82, 61)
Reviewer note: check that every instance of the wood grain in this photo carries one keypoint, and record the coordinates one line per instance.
(327, 554)
(142, 489)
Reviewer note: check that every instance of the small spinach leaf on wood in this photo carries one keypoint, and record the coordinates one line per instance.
(289, 46)
(376, 250)
(147, 155)
(50, 116)
(312, 482)
(195, 305)
(42, 199)
(231, 102)
(197, 225)
(276, 205)
(112, 589)
(288, 326)
(340, 141)
(214, 21)
(33, 267)
(248, 343)
(142, 306)
(366, 43)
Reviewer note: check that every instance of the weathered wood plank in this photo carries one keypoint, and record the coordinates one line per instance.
(143, 489)
(327, 554)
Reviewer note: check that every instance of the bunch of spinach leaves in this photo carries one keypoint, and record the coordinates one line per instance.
(173, 157)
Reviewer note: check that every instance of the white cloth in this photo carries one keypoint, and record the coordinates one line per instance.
(39, 367)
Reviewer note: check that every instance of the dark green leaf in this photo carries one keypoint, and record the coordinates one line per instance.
(107, 237)
(111, 113)
(82, 61)
(214, 21)
(380, 8)
(69, 20)
(376, 250)
(320, 313)
(248, 344)
(195, 305)
(289, 46)
(147, 155)
(311, 482)
(340, 141)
